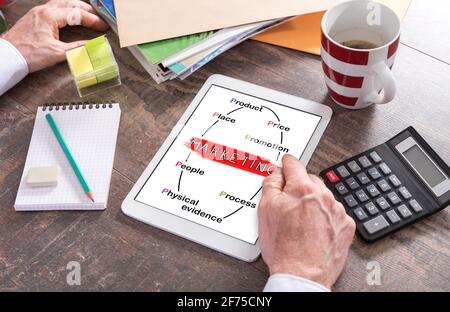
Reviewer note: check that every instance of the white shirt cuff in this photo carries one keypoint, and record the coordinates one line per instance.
(13, 66)
(287, 282)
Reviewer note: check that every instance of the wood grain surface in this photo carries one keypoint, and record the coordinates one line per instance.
(119, 253)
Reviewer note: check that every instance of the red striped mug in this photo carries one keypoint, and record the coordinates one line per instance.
(357, 78)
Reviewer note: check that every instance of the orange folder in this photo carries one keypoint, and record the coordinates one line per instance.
(303, 32)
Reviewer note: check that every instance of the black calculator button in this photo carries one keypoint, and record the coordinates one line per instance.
(383, 185)
(395, 181)
(363, 178)
(372, 190)
(354, 167)
(360, 214)
(351, 182)
(371, 208)
(343, 172)
(415, 205)
(376, 224)
(393, 216)
(362, 196)
(340, 187)
(374, 173)
(404, 192)
(350, 200)
(364, 161)
(404, 211)
(382, 203)
(385, 169)
(393, 198)
(375, 157)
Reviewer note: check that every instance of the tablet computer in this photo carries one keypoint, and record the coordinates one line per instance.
(204, 183)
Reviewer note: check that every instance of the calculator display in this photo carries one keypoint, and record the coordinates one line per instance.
(424, 166)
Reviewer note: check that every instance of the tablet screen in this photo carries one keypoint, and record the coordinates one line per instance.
(212, 172)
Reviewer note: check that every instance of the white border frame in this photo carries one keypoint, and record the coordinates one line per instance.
(198, 233)
(408, 143)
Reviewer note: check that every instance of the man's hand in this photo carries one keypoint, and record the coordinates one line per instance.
(36, 34)
(303, 230)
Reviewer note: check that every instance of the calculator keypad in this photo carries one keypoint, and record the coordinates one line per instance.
(385, 168)
(375, 157)
(350, 201)
(404, 211)
(362, 196)
(372, 190)
(415, 205)
(364, 161)
(393, 198)
(374, 173)
(382, 203)
(373, 194)
(343, 172)
(363, 178)
(360, 214)
(395, 181)
(383, 185)
(340, 187)
(354, 167)
(404, 192)
(351, 182)
(393, 216)
(376, 224)
(371, 208)
(332, 176)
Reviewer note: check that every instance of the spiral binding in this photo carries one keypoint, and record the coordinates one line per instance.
(76, 105)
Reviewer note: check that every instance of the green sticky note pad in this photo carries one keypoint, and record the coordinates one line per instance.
(99, 48)
(102, 62)
(95, 42)
(107, 75)
(93, 64)
(100, 51)
(87, 82)
(79, 61)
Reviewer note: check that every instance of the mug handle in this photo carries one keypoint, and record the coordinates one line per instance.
(384, 74)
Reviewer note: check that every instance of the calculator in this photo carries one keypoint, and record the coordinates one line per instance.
(391, 185)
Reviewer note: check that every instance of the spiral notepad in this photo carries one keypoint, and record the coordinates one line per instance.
(90, 131)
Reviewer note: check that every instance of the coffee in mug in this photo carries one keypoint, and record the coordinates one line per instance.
(359, 45)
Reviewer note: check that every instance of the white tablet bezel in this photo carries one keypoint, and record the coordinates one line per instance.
(196, 232)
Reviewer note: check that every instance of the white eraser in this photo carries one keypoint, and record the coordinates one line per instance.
(43, 176)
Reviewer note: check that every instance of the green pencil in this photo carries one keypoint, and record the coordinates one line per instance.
(69, 156)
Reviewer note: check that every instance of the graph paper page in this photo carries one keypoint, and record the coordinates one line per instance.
(91, 135)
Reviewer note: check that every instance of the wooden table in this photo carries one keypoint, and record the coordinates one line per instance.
(119, 253)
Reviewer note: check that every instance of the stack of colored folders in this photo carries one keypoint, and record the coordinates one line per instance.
(93, 66)
(179, 57)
